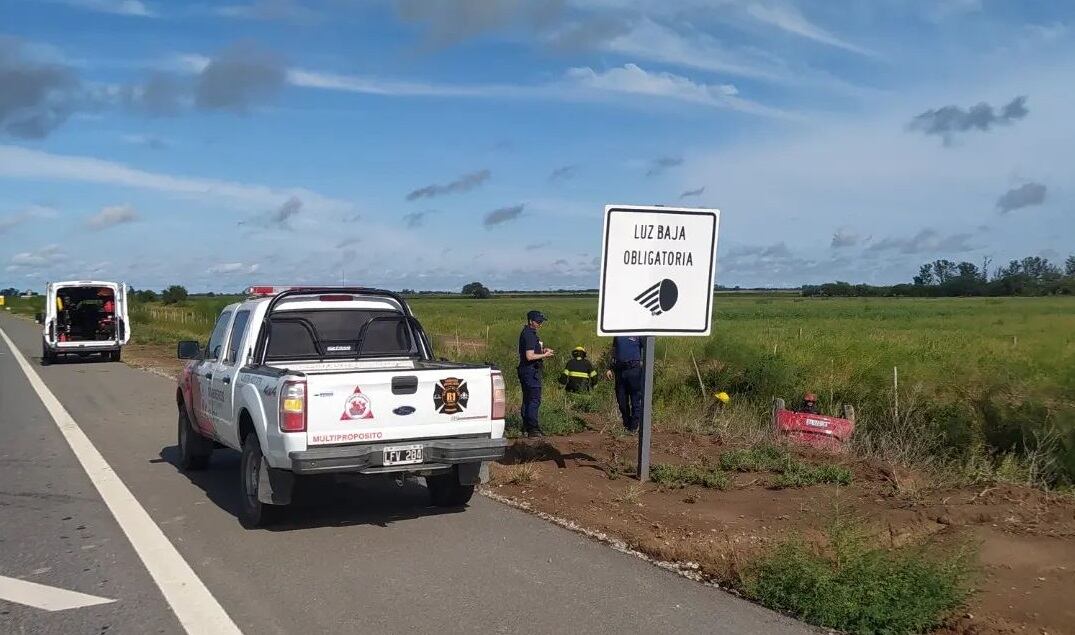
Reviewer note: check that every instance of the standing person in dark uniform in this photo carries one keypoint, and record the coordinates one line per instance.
(532, 353)
(578, 375)
(626, 367)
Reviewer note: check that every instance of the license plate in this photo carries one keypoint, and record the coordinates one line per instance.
(402, 455)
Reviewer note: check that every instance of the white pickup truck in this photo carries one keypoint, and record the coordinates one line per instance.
(308, 381)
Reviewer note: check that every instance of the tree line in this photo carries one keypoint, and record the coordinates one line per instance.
(1031, 276)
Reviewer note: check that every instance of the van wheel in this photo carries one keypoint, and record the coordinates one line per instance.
(194, 449)
(446, 491)
(46, 355)
(114, 356)
(252, 512)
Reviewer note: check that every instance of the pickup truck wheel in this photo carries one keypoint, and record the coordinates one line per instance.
(194, 449)
(445, 490)
(252, 512)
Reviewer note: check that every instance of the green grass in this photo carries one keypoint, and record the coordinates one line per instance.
(854, 587)
(980, 378)
(799, 474)
(684, 475)
(792, 472)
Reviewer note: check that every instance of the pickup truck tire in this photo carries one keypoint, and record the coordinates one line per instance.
(446, 491)
(194, 449)
(252, 512)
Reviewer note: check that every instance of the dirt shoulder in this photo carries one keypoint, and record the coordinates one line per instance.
(1025, 538)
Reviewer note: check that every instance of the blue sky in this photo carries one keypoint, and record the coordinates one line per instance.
(428, 143)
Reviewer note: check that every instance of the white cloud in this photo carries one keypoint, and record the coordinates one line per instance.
(632, 79)
(652, 41)
(115, 7)
(10, 221)
(22, 163)
(578, 84)
(110, 216)
(47, 255)
(232, 268)
(789, 19)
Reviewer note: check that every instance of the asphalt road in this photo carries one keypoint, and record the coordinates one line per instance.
(356, 556)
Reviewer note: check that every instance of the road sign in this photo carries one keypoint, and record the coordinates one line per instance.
(657, 267)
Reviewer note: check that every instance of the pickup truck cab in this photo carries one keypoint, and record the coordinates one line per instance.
(307, 381)
(82, 317)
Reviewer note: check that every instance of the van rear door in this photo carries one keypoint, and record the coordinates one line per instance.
(49, 323)
(124, 323)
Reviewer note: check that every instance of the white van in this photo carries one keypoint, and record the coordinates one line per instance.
(83, 317)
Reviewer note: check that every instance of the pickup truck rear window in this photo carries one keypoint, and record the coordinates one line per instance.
(339, 333)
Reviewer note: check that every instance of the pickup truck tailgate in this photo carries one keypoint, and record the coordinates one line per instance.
(379, 405)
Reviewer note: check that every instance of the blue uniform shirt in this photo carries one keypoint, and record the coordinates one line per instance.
(528, 341)
(626, 349)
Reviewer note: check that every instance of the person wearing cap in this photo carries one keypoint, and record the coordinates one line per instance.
(579, 374)
(809, 405)
(532, 356)
(626, 367)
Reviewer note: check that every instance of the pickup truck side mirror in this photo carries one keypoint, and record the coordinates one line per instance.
(188, 349)
(39, 318)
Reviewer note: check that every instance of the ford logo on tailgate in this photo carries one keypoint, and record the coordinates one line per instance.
(404, 411)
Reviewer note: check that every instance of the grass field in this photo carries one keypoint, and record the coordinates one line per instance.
(987, 384)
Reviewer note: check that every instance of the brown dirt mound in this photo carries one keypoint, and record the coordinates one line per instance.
(1025, 537)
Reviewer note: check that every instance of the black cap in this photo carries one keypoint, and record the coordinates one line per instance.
(535, 316)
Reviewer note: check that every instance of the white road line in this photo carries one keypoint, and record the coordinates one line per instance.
(198, 611)
(45, 597)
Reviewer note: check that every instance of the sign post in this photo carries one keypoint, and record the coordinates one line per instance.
(657, 269)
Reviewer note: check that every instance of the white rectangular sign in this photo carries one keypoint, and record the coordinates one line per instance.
(657, 267)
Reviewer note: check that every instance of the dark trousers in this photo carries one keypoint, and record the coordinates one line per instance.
(530, 380)
(629, 395)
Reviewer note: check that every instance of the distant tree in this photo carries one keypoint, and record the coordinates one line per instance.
(925, 275)
(477, 290)
(944, 270)
(146, 295)
(174, 294)
(1069, 266)
(967, 270)
(1039, 268)
(9, 292)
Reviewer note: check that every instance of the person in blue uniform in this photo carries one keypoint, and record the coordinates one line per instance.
(626, 368)
(532, 356)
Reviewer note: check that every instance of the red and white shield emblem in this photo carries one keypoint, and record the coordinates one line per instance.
(357, 407)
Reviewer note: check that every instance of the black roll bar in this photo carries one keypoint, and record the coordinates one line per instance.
(259, 350)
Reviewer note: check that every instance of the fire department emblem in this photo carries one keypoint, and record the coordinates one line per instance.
(451, 396)
(357, 406)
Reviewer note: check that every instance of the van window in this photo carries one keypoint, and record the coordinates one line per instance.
(238, 331)
(216, 340)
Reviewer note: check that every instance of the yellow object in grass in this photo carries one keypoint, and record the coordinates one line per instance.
(722, 397)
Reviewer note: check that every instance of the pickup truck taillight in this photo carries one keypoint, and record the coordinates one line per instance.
(499, 400)
(293, 406)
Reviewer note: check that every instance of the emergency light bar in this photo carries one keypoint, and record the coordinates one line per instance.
(264, 291)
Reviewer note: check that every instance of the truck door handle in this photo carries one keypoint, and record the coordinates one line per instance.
(226, 380)
(208, 375)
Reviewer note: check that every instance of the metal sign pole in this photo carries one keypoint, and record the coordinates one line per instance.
(646, 428)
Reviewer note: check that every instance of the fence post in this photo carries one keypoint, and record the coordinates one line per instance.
(896, 393)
